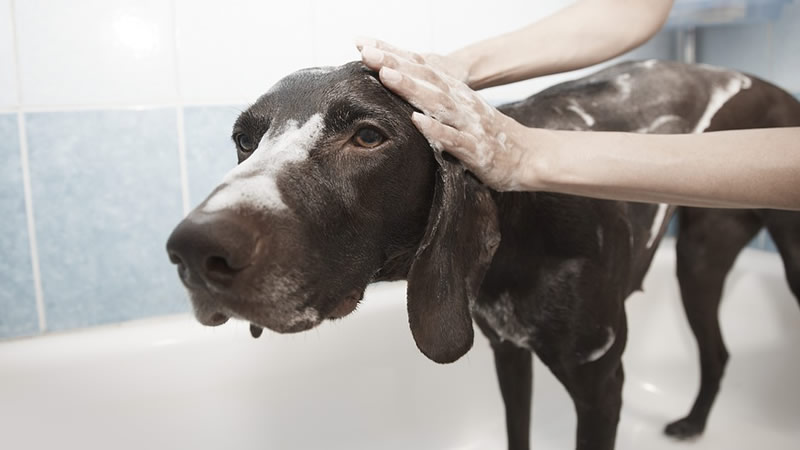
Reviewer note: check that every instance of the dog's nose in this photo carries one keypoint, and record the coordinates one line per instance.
(210, 249)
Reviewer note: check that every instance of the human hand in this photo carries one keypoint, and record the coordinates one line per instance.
(456, 119)
(448, 65)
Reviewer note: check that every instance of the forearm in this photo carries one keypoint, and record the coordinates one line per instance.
(736, 169)
(583, 34)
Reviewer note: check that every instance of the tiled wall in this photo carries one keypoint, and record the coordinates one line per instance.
(767, 50)
(115, 118)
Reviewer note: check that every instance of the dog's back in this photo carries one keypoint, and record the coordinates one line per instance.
(582, 257)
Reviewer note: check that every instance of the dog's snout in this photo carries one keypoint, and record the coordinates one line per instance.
(212, 248)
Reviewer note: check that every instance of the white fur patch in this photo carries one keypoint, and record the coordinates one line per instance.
(599, 233)
(658, 222)
(623, 82)
(658, 123)
(719, 96)
(252, 184)
(649, 64)
(502, 318)
(600, 352)
(308, 315)
(318, 70)
(576, 108)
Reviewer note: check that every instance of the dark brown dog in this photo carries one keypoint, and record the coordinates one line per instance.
(336, 189)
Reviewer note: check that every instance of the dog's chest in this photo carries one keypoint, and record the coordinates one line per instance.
(502, 317)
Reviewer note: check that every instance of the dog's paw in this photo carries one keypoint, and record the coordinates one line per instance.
(684, 429)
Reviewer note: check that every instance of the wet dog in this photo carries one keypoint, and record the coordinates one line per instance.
(337, 189)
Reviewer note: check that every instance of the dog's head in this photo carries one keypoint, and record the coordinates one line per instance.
(336, 188)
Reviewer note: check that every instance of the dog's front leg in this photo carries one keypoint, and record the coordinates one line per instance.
(515, 373)
(595, 385)
(598, 406)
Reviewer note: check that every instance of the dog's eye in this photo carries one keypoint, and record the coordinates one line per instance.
(368, 138)
(245, 142)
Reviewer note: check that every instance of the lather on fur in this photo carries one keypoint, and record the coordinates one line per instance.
(336, 189)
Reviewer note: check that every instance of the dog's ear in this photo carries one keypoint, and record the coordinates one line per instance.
(450, 263)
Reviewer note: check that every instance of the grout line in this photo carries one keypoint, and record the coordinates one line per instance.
(179, 122)
(32, 243)
(770, 51)
(184, 172)
(22, 133)
(115, 107)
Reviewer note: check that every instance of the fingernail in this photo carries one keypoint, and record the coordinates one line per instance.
(420, 119)
(372, 55)
(362, 42)
(390, 75)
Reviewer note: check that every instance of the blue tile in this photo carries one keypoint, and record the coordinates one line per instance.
(740, 47)
(673, 226)
(106, 193)
(786, 53)
(758, 241)
(210, 152)
(17, 300)
(769, 244)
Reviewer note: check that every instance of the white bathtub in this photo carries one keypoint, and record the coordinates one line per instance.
(360, 383)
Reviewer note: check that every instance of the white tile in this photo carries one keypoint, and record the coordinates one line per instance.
(96, 52)
(786, 54)
(407, 24)
(459, 23)
(8, 67)
(233, 51)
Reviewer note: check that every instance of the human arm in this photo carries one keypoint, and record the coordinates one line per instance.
(757, 168)
(733, 169)
(582, 34)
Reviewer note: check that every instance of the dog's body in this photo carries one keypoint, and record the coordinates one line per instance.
(537, 272)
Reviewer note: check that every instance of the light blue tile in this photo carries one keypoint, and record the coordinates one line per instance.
(17, 302)
(769, 244)
(673, 226)
(786, 54)
(741, 47)
(106, 195)
(210, 152)
(758, 241)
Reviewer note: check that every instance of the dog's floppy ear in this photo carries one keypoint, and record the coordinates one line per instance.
(450, 263)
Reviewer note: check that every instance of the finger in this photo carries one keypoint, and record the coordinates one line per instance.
(376, 59)
(362, 42)
(423, 95)
(446, 138)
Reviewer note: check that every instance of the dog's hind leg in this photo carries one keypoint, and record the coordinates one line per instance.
(784, 227)
(708, 243)
(514, 368)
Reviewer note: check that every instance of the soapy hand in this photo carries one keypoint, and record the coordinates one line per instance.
(456, 119)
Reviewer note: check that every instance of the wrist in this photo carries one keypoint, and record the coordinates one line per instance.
(471, 59)
(540, 158)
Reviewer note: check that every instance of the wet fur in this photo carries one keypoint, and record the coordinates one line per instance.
(538, 272)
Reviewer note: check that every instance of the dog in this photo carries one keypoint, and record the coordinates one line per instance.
(336, 189)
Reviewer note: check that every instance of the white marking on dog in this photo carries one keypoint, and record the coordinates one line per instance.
(502, 318)
(318, 70)
(252, 184)
(623, 82)
(649, 64)
(658, 222)
(308, 315)
(600, 352)
(719, 96)
(658, 123)
(576, 108)
(599, 232)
